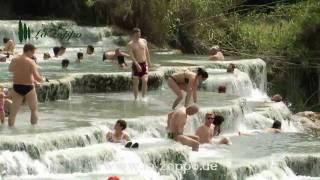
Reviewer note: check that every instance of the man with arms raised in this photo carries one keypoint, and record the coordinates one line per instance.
(25, 74)
(139, 52)
(176, 122)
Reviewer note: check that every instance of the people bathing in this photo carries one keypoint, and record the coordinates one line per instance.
(230, 68)
(8, 46)
(211, 129)
(46, 56)
(139, 53)
(65, 63)
(215, 53)
(79, 57)
(175, 126)
(187, 81)
(275, 128)
(90, 50)
(119, 136)
(25, 73)
(116, 55)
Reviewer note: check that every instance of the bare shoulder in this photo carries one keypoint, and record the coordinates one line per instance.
(129, 43)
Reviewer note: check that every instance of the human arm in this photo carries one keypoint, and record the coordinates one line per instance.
(11, 65)
(195, 97)
(109, 136)
(35, 72)
(126, 137)
(125, 54)
(147, 54)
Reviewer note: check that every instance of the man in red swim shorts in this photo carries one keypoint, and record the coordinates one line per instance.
(139, 52)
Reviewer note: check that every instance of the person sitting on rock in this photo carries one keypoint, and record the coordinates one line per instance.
(275, 128)
(230, 68)
(215, 53)
(90, 50)
(119, 136)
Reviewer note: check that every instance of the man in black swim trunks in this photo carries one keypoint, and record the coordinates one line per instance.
(25, 74)
(117, 54)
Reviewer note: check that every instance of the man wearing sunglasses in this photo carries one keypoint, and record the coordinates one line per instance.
(210, 129)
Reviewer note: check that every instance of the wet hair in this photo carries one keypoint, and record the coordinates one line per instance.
(122, 123)
(135, 30)
(91, 48)
(79, 55)
(28, 47)
(222, 89)
(65, 63)
(5, 40)
(201, 72)
(276, 124)
(104, 57)
(56, 50)
(232, 66)
(62, 47)
(218, 120)
(276, 98)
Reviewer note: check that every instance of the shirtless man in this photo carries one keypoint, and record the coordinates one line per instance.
(210, 129)
(216, 54)
(205, 132)
(139, 52)
(176, 122)
(25, 73)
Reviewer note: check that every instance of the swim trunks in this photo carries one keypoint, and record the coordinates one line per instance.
(22, 89)
(121, 60)
(144, 70)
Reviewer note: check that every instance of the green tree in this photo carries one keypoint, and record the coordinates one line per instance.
(29, 33)
(20, 32)
(25, 32)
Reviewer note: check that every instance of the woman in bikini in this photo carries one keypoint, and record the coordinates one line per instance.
(187, 81)
(118, 136)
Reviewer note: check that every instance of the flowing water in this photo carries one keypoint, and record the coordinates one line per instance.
(69, 141)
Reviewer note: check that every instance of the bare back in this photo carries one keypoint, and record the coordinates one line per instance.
(24, 70)
(139, 50)
(177, 121)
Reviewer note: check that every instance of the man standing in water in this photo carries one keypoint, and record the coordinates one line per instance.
(176, 122)
(25, 73)
(139, 52)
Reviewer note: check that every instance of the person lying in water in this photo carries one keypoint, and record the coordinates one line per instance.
(117, 54)
(175, 126)
(210, 129)
(276, 128)
(187, 81)
(119, 136)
